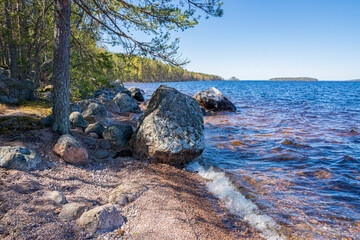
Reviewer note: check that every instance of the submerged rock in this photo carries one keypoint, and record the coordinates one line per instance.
(170, 130)
(69, 149)
(126, 103)
(101, 219)
(19, 158)
(213, 100)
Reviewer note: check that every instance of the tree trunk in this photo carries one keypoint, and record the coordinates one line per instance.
(61, 78)
(12, 47)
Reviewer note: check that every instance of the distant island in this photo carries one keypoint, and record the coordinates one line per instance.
(302, 79)
(354, 80)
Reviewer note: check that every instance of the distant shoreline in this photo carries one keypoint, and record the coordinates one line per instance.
(302, 79)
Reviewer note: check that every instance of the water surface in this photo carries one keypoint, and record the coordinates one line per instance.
(293, 149)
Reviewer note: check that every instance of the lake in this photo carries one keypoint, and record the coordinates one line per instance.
(288, 162)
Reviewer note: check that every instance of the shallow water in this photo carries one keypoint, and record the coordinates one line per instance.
(292, 150)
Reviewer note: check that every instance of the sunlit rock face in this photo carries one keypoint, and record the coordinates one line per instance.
(170, 130)
(213, 100)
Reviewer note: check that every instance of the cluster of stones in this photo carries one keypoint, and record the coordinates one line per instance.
(165, 133)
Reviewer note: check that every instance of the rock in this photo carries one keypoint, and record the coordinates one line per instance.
(101, 154)
(171, 130)
(77, 120)
(69, 149)
(110, 105)
(75, 108)
(90, 141)
(19, 158)
(47, 121)
(118, 134)
(5, 72)
(123, 153)
(97, 128)
(126, 193)
(12, 89)
(72, 211)
(213, 100)
(95, 112)
(136, 94)
(56, 196)
(83, 104)
(118, 83)
(105, 145)
(48, 96)
(101, 219)
(126, 103)
(93, 135)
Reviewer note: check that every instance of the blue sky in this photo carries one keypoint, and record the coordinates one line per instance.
(261, 39)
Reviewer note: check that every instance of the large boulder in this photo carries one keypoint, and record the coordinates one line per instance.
(136, 94)
(213, 100)
(126, 103)
(19, 158)
(118, 134)
(77, 120)
(101, 219)
(171, 130)
(69, 149)
(12, 90)
(95, 112)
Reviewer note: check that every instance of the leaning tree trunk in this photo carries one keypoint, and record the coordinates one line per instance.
(61, 78)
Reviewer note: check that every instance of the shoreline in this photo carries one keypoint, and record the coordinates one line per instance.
(177, 204)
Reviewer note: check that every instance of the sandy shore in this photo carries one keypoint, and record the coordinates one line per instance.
(176, 205)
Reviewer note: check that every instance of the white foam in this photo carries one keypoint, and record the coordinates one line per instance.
(223, 189)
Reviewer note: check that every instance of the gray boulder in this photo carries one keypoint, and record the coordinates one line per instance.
(126, 103)
(171, 130)
(101, 219)
(97, 128)
(77, 120)
(83, 104)
(95, 112)
(72, 211)
(213, 100)
(136, 94)
(110, 105)
(19, 158)
(69, 149)
(118, 134)
(13, 90)
(75, 108)
(126, 193)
